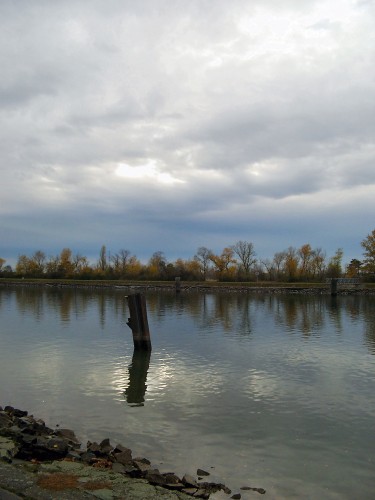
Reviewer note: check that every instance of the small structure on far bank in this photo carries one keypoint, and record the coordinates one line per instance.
(335, 282)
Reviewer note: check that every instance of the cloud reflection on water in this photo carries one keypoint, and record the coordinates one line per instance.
(277, 382)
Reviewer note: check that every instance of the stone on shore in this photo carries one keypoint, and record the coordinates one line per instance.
(8, 449)
(201, 472)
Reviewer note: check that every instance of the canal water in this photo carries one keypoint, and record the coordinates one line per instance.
(268, 391)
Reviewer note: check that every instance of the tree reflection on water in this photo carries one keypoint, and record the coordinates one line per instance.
(306, 315)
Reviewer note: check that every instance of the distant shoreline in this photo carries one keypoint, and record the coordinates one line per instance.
(189, 286)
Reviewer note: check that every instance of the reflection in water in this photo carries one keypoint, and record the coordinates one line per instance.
(300, 314)
(284, 385)
(136, 390)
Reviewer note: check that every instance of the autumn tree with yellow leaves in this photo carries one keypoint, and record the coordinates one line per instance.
(368, 244)
(224, 267)
(237, 262)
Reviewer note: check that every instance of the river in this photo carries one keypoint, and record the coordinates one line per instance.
(270, 391)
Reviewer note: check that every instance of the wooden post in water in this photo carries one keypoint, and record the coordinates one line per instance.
(178, 284)
(334, 287)
(138, 322)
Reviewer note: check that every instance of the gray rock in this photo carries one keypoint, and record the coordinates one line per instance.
(214, 487)
(171, 478)
(153, 476)
(117, 467)
(5, 420)
(44, 448)
(201, 472)
(18, 413)
(201, 493)
(124, 457)
(28, 439)
(174, 486)
(93, 447)
(105, 447)
(132, 471)
(141, 465)
(15, 430)
(23, 422)
(88, 457)
(68, 435)
(143, 460)
(189, 480)
(8, 449)
(74, 455)
(189, 491)
(119, 448)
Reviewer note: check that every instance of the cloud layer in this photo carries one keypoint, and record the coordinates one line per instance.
(167, 126)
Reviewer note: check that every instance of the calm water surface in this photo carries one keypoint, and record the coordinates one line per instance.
(275, 392)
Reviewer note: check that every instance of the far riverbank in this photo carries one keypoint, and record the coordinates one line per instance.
(200, 286)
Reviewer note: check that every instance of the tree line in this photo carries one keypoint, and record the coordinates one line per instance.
(238, 262)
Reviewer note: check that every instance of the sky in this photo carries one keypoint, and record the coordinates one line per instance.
(166, 125)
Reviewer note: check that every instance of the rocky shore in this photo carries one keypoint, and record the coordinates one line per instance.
(38, 462)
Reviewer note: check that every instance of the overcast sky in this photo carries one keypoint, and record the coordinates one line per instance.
(169, 125)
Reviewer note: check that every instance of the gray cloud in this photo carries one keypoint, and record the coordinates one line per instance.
(160, 121)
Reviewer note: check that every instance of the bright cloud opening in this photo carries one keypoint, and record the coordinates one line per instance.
(149, 171)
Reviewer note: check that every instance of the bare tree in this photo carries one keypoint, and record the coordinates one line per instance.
(121, 261)
(279, 261)
(245, 252)
(291, 263)
(39, 260)
(203, 257)
(102, 262)
(80, 262)
(270, 267)
(318, 264)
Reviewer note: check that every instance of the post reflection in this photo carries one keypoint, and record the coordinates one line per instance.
(136, 390)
